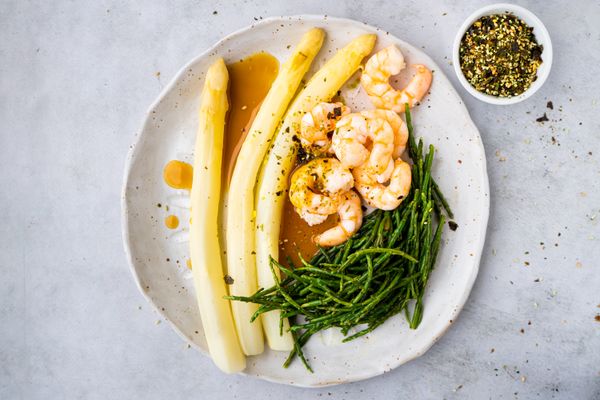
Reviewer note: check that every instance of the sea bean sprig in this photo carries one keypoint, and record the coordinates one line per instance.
(379, 272)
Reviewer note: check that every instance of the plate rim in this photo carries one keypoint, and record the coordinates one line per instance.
(417, 352)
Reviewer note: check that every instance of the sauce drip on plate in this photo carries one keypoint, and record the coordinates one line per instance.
(249, 82)
(178, 174)
(172, 222)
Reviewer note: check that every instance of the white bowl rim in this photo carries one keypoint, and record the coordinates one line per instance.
(542, 36)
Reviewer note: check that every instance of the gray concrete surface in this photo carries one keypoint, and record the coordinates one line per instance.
(75, 81)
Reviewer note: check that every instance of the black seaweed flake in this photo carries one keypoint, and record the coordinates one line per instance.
(543, 118)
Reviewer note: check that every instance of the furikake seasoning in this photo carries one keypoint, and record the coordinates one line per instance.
(499, 55)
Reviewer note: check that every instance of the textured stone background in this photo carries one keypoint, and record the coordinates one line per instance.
(75, 81)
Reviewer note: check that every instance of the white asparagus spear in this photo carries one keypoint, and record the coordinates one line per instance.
(205, 250)
(240, 230)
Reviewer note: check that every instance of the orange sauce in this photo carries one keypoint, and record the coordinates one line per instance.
(172, 222)
(296, 235)
(178, 174)
(249, 82)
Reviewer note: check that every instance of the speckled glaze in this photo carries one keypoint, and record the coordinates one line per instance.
(169, 133)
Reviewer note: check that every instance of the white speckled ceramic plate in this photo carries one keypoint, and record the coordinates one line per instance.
(158, 255)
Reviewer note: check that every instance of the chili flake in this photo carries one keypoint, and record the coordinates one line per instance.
(499, 55)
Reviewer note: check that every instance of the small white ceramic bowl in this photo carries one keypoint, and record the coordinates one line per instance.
(541, 35)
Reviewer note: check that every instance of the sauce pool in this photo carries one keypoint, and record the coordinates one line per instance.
(296, 235)
(249, 82)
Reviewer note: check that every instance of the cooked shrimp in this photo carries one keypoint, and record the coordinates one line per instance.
(316, 188)
(382, 137)
(317, 126)
(311, 218)
(349, 139)
(350, 142)
(376, 76)
(379, 195)
(397, 124)
(350, 213)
